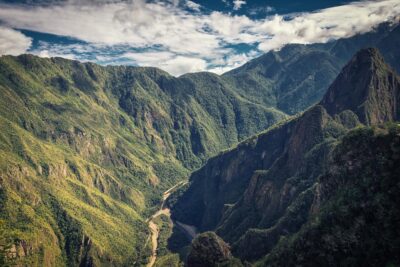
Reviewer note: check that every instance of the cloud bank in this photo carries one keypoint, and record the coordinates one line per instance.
(180, 38)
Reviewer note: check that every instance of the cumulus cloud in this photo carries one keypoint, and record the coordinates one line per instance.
(13, 42)
(237, 4)
(166, 35)
(176, 65)
(327, 24)
(193, 6)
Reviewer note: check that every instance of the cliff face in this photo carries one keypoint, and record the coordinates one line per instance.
(355, 212)
(264, 189)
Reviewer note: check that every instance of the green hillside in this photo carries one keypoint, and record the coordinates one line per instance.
(87, 150)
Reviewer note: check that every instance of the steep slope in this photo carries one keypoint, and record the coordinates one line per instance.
(298, 76)
(263, 189)
(367, 87)
(355, 213)
(87, 150)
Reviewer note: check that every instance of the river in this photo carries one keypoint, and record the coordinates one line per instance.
(189, 230)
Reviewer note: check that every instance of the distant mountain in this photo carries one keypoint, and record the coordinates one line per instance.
(366, 86)
(269, 186)
(298, 76)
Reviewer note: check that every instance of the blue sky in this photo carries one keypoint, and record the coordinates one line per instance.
(180, 36)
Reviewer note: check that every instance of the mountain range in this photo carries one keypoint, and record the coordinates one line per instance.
(87, 150)
(313, 190)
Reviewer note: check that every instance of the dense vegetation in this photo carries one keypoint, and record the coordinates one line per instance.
(85, 150)
(260, 196)
(208, 250)
(354, 221)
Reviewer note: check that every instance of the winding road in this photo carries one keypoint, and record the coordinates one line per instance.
(154, 228)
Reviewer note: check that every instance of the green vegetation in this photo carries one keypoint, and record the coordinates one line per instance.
(208, 250)
(357, 219)
(86, 151)
(165, 227)
(170, 260)
(297, 76)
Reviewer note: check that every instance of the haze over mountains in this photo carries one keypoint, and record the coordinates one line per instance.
(86, 152)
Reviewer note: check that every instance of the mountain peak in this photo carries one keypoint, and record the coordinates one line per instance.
(368, 87)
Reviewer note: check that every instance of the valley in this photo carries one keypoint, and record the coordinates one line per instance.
(306, 177)
(154, 228)
(131, 166)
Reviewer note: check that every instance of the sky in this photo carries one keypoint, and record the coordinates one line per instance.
(180, 36)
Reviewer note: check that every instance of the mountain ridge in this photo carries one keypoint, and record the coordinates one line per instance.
(87, 150)
(271, 194)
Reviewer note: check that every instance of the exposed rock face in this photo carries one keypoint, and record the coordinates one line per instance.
(265, 188)
(105, 141)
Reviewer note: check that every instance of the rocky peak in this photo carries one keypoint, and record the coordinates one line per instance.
(368, 87)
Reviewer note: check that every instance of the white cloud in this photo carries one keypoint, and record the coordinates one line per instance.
(176, 65)
(193, 6)
(262, 10)
(231, 62)
(237, 4)
(70, 51)
(327, 24)
(13, 42)
(184, 41)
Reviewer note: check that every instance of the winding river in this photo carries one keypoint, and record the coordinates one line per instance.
(188, 230)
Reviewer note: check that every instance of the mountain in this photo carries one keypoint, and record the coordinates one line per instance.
(86, 152)
(355, 213)
(374, 105)
(268, 187)
(297, 76)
